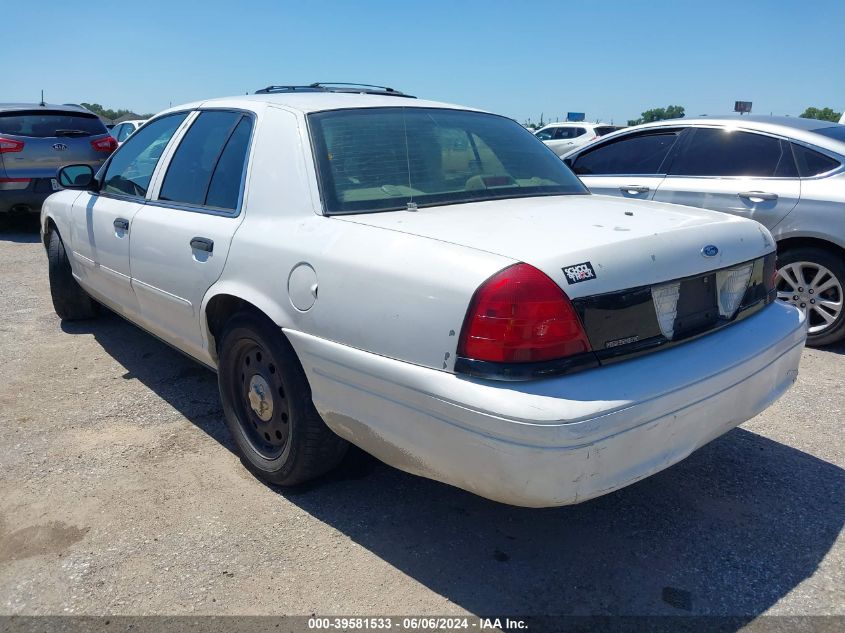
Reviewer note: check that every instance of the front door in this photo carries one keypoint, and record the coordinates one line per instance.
(102, 221)
(631, 166)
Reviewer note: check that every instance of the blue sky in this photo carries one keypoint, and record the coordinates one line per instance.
(609, 59)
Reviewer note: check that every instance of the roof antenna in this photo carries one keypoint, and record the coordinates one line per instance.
(42, 99)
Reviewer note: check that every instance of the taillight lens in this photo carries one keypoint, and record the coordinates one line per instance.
(520, 315)
(13, 184)
(9, 145)
(107, 144)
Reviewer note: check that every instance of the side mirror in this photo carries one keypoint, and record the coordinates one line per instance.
(76, 177)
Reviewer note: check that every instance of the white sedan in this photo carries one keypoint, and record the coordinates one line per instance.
(429, 283)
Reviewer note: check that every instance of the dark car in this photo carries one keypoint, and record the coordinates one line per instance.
(35, 140)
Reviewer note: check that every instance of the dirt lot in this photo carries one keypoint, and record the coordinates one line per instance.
(120, 493)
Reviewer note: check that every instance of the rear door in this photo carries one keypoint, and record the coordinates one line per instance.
(740, 172)
(102, 221)
(630, 166)
(181, 237)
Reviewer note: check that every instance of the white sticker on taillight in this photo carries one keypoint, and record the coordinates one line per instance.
(665, 299)
(731, 284)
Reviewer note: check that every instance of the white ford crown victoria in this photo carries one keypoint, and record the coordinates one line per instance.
(428, 282)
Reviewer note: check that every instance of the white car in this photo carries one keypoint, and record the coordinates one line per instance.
(124, 130)
(566, 136)
(429, 283)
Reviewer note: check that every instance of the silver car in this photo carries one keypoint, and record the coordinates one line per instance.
(37, 139)
(786, 173)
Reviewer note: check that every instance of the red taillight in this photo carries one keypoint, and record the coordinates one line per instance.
(520, 315)
(8, 145)
(108, 144)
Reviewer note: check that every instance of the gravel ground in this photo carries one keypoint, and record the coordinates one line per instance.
(120, 494)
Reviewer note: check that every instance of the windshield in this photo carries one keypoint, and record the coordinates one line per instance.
(46, 123)
(381, 159)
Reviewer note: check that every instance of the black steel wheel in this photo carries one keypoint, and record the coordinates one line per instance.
(268, 407)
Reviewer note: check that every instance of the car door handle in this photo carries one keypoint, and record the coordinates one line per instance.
(202, 244)
(121, 224)
(757, 195)
(634, 189)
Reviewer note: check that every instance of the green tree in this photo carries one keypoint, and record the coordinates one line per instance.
(107, 113)
(823, 114)
(659, 114)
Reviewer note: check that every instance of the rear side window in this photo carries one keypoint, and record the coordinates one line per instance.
(633, 155)
(207, 166)
(50, 123)
(812, 163)
(568, 132)
(727, 153)
(606, 129)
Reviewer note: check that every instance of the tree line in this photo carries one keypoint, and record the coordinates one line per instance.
(108, 113)
(677, 112)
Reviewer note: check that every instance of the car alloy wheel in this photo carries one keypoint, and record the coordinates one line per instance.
(813, 289)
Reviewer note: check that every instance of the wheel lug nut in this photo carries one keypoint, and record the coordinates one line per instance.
(812, 300)
(811, 291)
(803, 305)
(795, 298)
(800, 290)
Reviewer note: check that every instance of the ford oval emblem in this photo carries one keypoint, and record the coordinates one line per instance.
(710, 251)
(59, 147)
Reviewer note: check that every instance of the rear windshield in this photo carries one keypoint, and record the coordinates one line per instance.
(380, 159)
(47, 123)
(834, 131)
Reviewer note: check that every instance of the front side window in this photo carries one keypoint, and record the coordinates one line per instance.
(132, 165)
(731, 153)
(606, 129)
(207, 166)
(642, 154)
(379, 159)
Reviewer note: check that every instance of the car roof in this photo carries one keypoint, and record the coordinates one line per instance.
(11, 107)
(791, 127)
(306, 102)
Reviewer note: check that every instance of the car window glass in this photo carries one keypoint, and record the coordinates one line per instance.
(545, 135)
(225, 188)
(812, 163)
(718, 152)
(132, 165)
(606, 129)
(632, 155)
(115, 131)
(190, 170)
(125, 131)
(378, 159)
(49, 123)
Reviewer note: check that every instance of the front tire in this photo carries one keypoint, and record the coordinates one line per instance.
(267, 402)
(813, 280)
(70, 301)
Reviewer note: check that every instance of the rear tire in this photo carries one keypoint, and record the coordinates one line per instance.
(813, 280)
(70, 301)
(267, 402)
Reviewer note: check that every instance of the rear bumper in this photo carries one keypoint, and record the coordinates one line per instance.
(561, 440)
(27, 200)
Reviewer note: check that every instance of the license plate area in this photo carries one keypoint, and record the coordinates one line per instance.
(698, 307)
